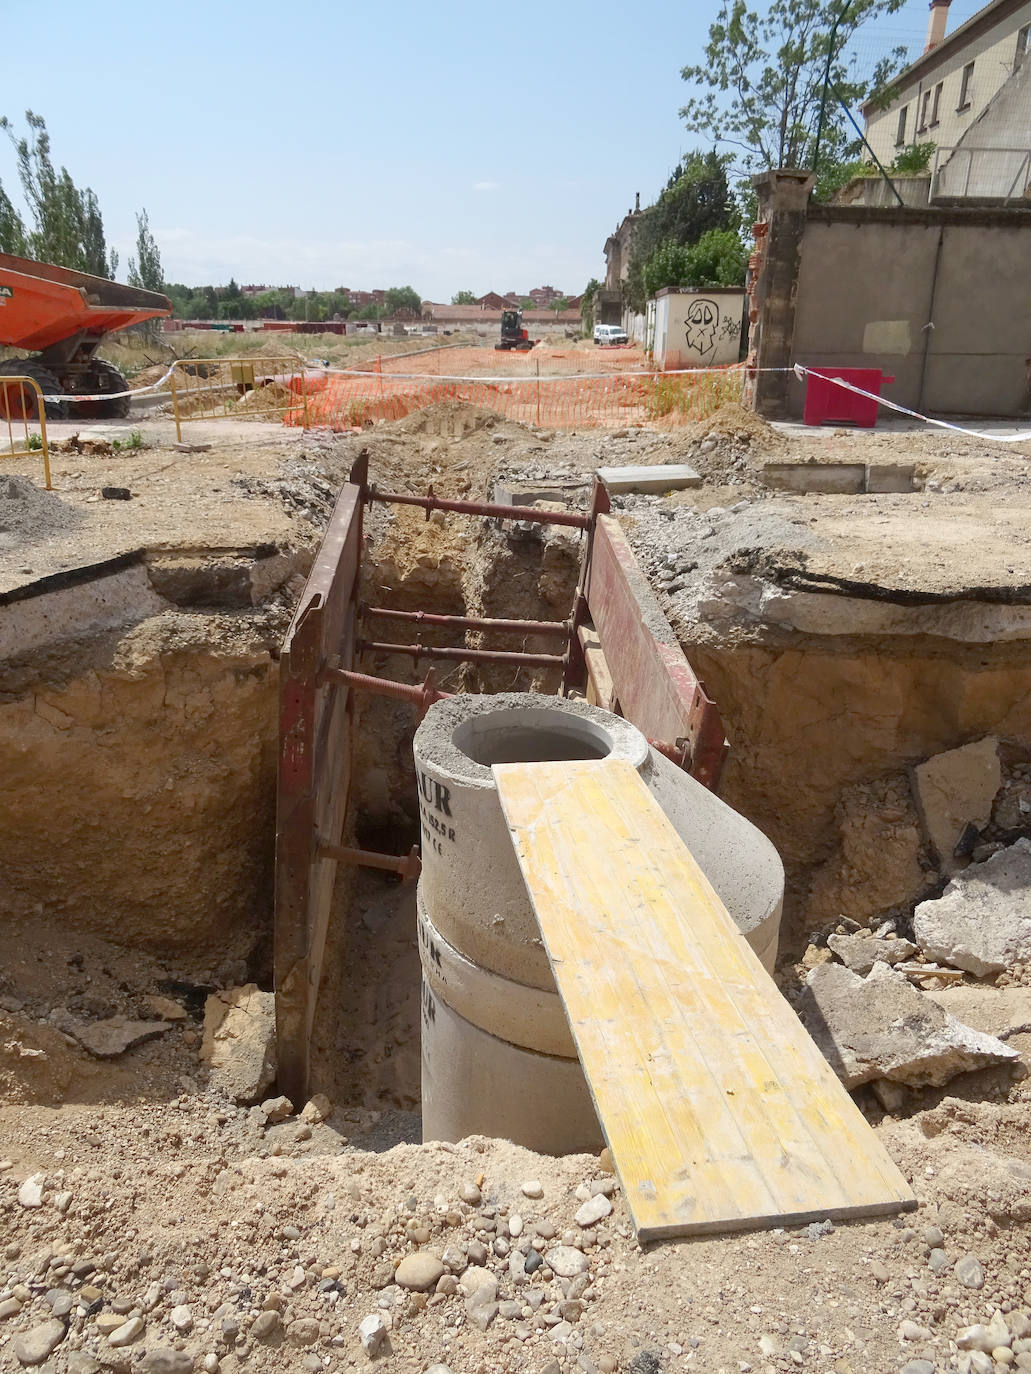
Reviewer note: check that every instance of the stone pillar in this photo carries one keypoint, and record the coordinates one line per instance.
(783, 198)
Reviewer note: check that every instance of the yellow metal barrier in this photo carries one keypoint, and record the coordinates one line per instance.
(255, 388)
(21, 402)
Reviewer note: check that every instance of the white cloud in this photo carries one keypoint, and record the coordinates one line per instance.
(486, 185)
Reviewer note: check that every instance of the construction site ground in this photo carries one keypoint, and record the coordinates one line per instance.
(136, 1197)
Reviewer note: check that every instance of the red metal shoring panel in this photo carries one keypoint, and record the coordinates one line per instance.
(313, 782)
(656, 686)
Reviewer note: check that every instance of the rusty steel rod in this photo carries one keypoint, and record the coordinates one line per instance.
(469, 622)
(418, 651)
(407, 865)
(422, 695)
(497, 512)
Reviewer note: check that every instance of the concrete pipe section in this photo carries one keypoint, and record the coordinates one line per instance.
(498, 1058)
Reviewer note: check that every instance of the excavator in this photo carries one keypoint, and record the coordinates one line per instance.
(63, 316)
(513, 335)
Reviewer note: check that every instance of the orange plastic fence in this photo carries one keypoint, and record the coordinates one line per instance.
(560, 402)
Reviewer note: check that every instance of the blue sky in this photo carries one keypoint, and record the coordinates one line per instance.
(446, 146)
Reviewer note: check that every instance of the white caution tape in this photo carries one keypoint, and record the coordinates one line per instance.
(737, 369)
(107, 395)
(1021, 437)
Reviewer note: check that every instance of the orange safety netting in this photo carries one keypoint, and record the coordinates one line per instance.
(621, 397)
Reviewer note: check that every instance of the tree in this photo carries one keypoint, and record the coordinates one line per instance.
(403, 299)
(762, 80)
(587, 303)
(68, 228)
(145, 268)
(695, 199)
(12, 230)
(910, 161)
(559, 303)
(464, 298)
(665, 266)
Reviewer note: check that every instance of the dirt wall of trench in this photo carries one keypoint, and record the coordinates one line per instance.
(138, 797)
(822, 735)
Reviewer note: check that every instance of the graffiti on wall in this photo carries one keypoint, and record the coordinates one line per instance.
(703, 318)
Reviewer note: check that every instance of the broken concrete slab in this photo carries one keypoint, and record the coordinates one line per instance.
(165, 1008)
(1012, 809)
(982, 921)
(656, 478)
(882, 1027)
(239, 1042)
(954, 790)
(112, 1037)
(1002, 1012)
(890, 477)
(861, 951)
(832, 479)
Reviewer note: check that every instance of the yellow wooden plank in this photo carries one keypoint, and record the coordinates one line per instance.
(720, 1111)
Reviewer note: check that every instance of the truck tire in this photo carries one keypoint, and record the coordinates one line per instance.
(104, 376)
(12, 406)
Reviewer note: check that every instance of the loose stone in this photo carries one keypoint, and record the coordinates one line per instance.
(532, 1188)
(594, 1210)
(30, 1194)
(970, 1272)
(164, 1360)
(419, 1271)
(182, 1319)
(303, 1331)
(372, 1332)
(566, 1261)
(128, 1332)
(33, 1347)
(266, 1324)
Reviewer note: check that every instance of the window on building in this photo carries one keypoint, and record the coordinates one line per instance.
(937, 103)
(900, 132)
(1021, 45)
(925, 103)
(964, 89)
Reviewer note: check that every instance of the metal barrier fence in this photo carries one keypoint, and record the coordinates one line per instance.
(350, 401)
(22, 404)
(256, 388)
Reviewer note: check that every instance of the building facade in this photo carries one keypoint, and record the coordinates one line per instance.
(969, 94)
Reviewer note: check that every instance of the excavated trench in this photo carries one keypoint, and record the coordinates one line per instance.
(138, 748)
(366, 1040)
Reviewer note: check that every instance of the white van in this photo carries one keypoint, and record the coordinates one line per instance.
(610, 334)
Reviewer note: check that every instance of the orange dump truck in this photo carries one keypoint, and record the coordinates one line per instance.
(62, 316)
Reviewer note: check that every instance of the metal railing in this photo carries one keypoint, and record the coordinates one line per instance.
(256, 388)
(22, 404)
(985, 173)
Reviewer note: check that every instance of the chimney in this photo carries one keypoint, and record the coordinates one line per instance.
(936, 25)
(637, 204)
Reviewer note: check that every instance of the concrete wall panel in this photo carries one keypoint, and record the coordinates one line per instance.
(869, 285)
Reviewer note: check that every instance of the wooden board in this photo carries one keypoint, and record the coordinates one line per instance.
(600, 689)
(720, 1111)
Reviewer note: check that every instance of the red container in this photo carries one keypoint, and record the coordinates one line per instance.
(827, 404)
